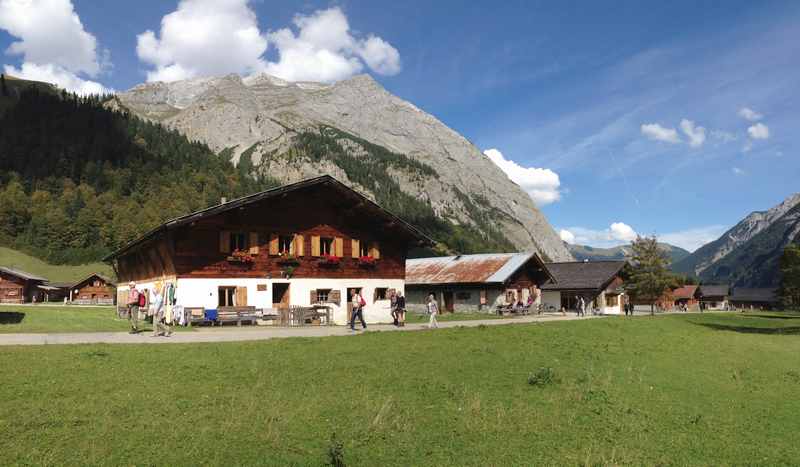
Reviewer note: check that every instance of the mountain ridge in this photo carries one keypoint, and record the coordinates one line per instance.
(585, 252)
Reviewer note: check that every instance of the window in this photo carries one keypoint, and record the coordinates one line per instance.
(227, 296)
(363, 249)
(325, 246)
(323, 295)
(285, 244)
(238, 241)
(612, 300)
(381, 293)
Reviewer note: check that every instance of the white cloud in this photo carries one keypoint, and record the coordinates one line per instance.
(657, 132)
(201, 38)
(210, 37)
(541, 184)
(692, 239)
(53, 44)
(622, 231)
(758, 131)
(749, 114)
(724, 136)
(616, 234)
(567, 236)
(696, 134)
(737, 171)
(323, 49)
(689, 239)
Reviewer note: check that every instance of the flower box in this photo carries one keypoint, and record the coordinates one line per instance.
(367, 261)
(241, 257)
(330, 260)
(288, 259)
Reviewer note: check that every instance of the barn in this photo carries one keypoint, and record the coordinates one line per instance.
(314, 242)
(474, 282)
(18, 286)
(598, 282)
(93, 290)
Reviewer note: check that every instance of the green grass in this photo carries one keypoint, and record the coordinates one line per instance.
(70, 318)
(707, 389)
(54, 273)
(461, 316)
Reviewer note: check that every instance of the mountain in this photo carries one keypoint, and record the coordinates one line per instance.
(360, 133)
(748, 253)
(583, 252)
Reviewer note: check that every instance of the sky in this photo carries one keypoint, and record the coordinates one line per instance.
(618, 118)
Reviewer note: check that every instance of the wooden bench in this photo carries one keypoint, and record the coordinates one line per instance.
(236, 314)
(197, 315)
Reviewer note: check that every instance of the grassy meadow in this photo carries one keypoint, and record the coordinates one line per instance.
(712, 389)
(54, 273)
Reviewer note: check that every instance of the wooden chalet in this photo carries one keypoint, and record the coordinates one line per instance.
(685, 296)
(714, 297)
(474, 282)
(19, 286)
(743, 298)
(598, 282)
(93, 290)
(309, 243)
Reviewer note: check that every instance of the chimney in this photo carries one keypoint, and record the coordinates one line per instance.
(223, 200)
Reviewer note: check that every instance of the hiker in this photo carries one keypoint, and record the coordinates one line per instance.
(157, 307)
(401, 309)
(133, 308)
(433, 310)
(358, 310)
(393, 307)
(581, 307)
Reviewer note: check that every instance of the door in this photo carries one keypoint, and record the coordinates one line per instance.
(448, 301)
(280, 295)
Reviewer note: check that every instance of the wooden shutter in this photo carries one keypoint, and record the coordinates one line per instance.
(375, 295)
(315, 245)
(313, 299)
(335, 296)
(273, 245)
(241, 296)
(299, 247)
(253, 244)
(374, 251)
(338, 247)
(225, 242)
(356, 246)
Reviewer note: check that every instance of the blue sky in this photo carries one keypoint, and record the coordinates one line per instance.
(673, 118)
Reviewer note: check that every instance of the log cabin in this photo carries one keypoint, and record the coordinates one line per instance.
(314, 242)
(478, 282)
(600, 284)
(19, 286)
(93, 290)
(714, 297)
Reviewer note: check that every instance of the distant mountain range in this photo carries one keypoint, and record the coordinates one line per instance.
(583, 252)
(748, 254)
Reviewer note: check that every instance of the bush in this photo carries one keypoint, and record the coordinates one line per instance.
(335, 452)
(542, 377)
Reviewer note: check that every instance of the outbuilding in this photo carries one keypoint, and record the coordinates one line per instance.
(600, 284)
(315, 242)
(18, 286)
(93, 290)
(686, 295)
(714, 297)
(754, 298)
(478, 282)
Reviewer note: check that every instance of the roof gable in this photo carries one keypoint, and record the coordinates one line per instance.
(582, 275)
(687, 291)
(22, 274)
(92, 276)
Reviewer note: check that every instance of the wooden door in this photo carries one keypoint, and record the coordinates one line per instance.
(280, 295)
(448, 301)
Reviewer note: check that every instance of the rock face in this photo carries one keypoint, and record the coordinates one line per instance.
(747, 254)
(259, 117)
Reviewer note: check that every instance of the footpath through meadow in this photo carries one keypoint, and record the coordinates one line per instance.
(253, 333)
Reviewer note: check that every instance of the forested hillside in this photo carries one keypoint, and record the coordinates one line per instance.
(78, 180)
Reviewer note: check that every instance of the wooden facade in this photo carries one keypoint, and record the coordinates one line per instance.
(17, 286)
(93, 290)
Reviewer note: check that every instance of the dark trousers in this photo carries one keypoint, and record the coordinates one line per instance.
(357, 312)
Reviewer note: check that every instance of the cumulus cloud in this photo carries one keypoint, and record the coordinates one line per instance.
(657, 132)
(616, 234)
(622, 231)
(750, 114)
(567, 236)
(541, 184)
(53, 44)
(323, 49)
(696, 134)
(210, 37)
(758, 131)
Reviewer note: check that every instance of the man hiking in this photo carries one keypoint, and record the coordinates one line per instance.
(133, 308)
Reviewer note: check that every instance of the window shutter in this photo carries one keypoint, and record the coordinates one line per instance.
(225, 242)
(356, 246)
(240, 299)
(335, 296)
(374, 251)
(299, 247)
(375, 295)
(313, 299)
(273, 245)
(315, 245)
(338, 248)
(253, 243)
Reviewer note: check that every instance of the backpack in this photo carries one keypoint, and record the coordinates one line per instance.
(142, 299)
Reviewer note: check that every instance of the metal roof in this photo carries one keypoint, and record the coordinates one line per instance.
(582, 275)
(22, 274)
(714, 290)
(488, 268)
(687, 291)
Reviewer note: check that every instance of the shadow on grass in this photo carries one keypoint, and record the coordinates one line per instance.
(751, 330)
(11, 317)
(756, 315)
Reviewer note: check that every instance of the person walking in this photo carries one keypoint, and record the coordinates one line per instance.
(393, 307)
(157, 305)
(401, 309)
(433, 310)
(358, 310)
(581, 306)
(133, 308)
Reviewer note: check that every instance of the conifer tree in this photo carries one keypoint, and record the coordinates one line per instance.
(649, 276)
